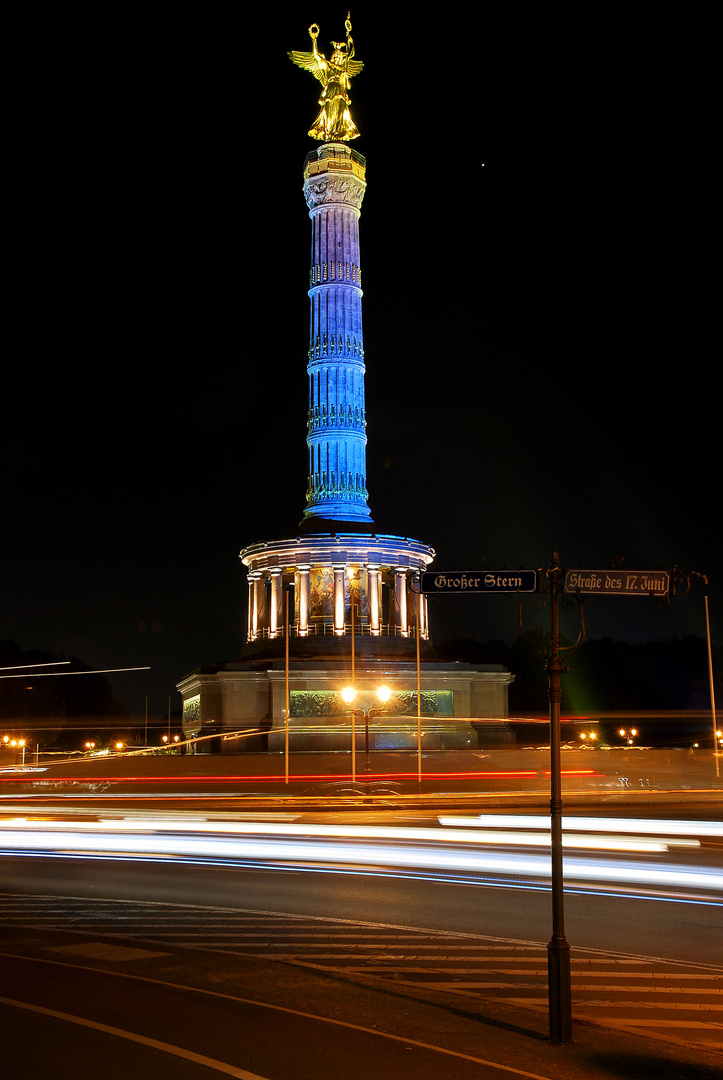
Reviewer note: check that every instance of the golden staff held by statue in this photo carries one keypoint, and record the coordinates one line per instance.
(334, 122)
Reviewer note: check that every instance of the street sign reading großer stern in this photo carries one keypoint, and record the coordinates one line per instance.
(618, 582)
(479, 581)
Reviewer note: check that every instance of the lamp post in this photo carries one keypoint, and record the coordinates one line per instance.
(348, 694)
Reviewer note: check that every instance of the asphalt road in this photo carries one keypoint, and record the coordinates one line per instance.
(93, 988)
(404, 991)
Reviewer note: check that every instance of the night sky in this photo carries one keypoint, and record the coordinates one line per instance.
(536, 301)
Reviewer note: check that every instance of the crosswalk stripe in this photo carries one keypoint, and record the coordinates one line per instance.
(485, 986)
(602, 1004)
(647, 989)
(624, 1021)
(542, 972)
(380, 969)
(699, 976)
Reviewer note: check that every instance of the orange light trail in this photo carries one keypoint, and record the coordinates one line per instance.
(513, 774)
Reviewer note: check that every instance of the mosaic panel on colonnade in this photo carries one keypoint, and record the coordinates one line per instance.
(321, 593)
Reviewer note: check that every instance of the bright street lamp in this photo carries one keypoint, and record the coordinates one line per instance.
(348, 694)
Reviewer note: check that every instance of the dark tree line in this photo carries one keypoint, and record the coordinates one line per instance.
(49, 702)
(603, 674)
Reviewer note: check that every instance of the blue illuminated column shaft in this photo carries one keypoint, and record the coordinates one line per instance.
(334, 186)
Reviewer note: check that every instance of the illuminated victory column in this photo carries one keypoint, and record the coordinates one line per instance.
(339, 598)
(338, 568)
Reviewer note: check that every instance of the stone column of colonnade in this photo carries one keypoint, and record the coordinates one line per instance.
(257, 609)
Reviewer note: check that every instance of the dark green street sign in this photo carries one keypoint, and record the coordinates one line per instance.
(456, 582)
(618, 582)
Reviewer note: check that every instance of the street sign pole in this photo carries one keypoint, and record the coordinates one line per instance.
(525, 581)
(558, 948)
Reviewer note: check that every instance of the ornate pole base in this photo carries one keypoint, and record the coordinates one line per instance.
(559, 994)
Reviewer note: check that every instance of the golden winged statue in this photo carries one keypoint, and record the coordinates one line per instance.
(334, 122)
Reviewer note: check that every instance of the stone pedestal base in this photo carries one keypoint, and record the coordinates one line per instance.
(238, 706)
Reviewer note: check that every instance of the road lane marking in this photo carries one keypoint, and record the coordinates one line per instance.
(131, 1036)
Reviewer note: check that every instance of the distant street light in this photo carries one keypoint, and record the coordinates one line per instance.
(17, 744)
(12, 742)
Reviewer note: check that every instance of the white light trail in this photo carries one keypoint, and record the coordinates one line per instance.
(17, 667)
(62, 674)
(587, 824)
(298, 847)
(508, 838)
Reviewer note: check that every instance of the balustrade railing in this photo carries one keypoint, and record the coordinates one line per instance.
(326, 628)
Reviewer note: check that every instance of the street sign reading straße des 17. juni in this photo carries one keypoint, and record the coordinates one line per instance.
(482, 581)
(618, 582)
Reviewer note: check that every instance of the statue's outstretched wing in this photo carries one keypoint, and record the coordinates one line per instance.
(353, 67)
(309, 61)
